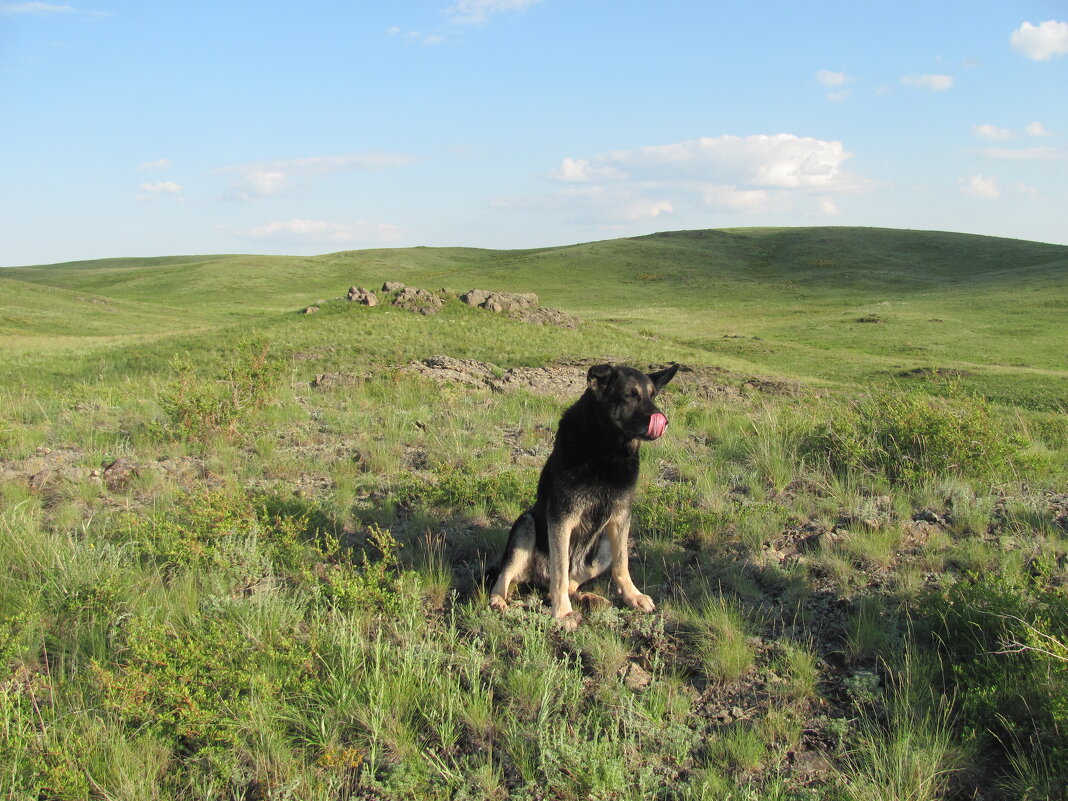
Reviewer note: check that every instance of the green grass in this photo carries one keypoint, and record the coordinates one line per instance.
(772, 301)
(281, 593)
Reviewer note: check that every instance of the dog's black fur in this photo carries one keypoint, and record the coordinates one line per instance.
(580, 520)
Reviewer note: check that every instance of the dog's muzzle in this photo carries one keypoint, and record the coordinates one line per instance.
(657, 426)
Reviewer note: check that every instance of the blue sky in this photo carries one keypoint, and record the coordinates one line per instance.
(149, 128)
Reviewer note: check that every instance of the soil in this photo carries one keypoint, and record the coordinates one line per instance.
(566, 378)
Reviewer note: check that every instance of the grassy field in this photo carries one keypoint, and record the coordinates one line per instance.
(226, 578)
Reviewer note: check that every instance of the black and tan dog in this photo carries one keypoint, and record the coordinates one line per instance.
(580, 520)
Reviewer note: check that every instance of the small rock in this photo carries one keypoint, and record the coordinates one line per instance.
(357, 294)
(340, 379)
(118, 473)
(929, 515)
(310, 310)
(419, 301)
(393, 286)
(475, 297)
(636, 677)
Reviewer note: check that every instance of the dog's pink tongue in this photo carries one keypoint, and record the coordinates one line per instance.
(657, 425)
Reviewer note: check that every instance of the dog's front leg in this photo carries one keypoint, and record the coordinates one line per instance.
(618, 531)
(560, 528)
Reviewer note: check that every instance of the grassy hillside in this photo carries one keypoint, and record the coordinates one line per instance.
(244, 548)
(836, 305)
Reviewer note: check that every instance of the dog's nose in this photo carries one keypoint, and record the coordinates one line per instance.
(657, 425)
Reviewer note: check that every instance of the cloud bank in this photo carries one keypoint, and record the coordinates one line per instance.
(751, 174)
(1041, 42)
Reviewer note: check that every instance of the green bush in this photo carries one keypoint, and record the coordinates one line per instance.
(909, 435)
(197, 407)
(372, 585)
(1005, 647)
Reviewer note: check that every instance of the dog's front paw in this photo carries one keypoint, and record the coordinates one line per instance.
(497, 603)
(641, 602)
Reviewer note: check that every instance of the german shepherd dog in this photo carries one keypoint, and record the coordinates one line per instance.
(580, 520)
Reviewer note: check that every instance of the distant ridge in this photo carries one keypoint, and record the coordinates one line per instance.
(784, 301)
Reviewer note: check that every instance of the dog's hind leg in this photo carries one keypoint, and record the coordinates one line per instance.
(617, 531)
(516, 560)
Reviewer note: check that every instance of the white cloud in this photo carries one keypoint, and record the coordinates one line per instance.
(828, 207)
(1041, 42)
(731, 198)
(835, 81)
(981, 186)
(324, 231)
(581, 171)
(992, 132)
(477, 12)
(778, 161)
(1026, 153)
(416, 37)
(269, 178)
(162, 187)
(753, 174)
(34, 8)
(1037, 129)
(159, 189)
(649, 211)
(158, 164)
(933, 83)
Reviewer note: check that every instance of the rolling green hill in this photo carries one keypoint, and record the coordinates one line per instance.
(834, 305)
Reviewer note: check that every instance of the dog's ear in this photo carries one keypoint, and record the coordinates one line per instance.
(600, 378)
(661, 378)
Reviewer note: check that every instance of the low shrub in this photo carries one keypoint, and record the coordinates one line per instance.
(1004, 643)
(197, 407)
(908, 436)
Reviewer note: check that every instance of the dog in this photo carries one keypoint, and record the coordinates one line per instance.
(580, 520)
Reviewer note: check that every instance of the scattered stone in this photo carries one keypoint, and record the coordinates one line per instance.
(309, 310)
(475, 297)
(775, 386)
(357, 294)
(928, 515)
(522, 306)
(934, 372)
(118, 474)
(332, 380)
(870, 318)
(468, 372)
(419, 301)
(558, 381)
(500, 302)
(635, 676)
(393, 286)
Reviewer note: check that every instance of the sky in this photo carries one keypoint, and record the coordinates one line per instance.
(164, 128)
